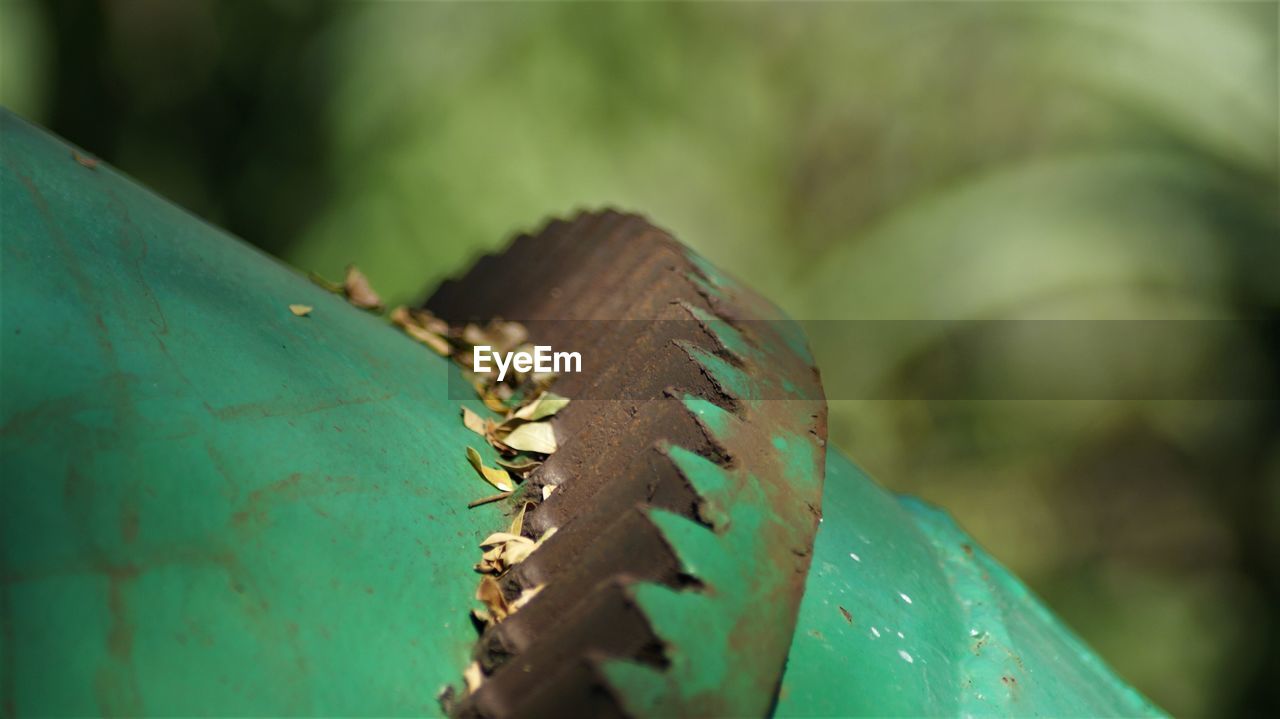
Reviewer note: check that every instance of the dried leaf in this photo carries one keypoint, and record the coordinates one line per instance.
(358, 290)
(438, 344)
(408, 321)
(497, 477)
(429, 322)
(490, 430)
(500, 335)
(493, 402)
(532, 437)
(517, 524)
(491, 595)
(301, 310)
(329, 285)
(85, 160)
(545, 405)
(514, 553)
(521, 466)
(473, 335)
(475, 423)
(472, 675)
(507, 334)
(504, 538)
(547, 489)
(491, 498)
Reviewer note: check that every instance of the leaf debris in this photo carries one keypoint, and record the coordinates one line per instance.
(475, 423)
(504, 550)
(497, 477)
(301, 310)
(473, 677)
(545, 405)
(86, 161)
(517, 524)
(358, 290)
(532, 437)
(521, 466)
(329, 285)
(424, 327)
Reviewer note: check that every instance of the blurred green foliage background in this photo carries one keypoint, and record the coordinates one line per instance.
(960, 160)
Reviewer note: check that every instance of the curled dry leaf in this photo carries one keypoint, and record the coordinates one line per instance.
(503, 550)
(493, 401)
(329, 285)
(300, 310)
(85, 160)
(408, 321)
(532, 437)
(514, 553)
(491, 435)
(475, 423)
(545, 405)
(358, 290)
(429, 322)
(497, 477)
(517, 524)
(473, 677)
(503, 538)
(521, 466)
(498, 334)
(473, 335)
(491, 595)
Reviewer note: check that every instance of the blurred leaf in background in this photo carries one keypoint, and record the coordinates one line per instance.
(872, 160)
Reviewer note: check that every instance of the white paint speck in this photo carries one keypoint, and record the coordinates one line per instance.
(901, 635)
(905, 598)
(855, 557)
(875, 632)
(906, 657)
(973, 632)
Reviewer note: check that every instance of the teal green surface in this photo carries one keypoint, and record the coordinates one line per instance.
(935, 626)
(211, 506)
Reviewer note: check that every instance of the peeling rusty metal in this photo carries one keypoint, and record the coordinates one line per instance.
(685, 506)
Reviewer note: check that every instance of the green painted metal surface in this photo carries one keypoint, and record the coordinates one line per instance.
(210, 505)
(935, 626)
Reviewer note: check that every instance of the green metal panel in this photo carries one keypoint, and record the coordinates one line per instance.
(213, 506)
(934, 625)
(209, 504)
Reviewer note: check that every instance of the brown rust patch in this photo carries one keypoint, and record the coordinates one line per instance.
(618, 267)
